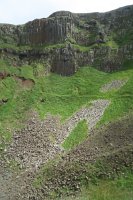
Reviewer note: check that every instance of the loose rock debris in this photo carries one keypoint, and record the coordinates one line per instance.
(36, 144)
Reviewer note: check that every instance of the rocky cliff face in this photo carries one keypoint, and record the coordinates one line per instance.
(103, 40)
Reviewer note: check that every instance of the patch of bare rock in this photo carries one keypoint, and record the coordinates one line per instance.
(24, 83)
(113, 85)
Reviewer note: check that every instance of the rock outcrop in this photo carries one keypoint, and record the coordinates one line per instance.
(103, 40)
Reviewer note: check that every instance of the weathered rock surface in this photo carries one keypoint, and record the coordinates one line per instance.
(108, 36)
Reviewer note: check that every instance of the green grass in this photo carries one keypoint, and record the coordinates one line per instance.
(30, 47)
(112, 44)
(49, 46)
(27, 72)
(121, 100)
(15, 46)
(64, 95)
(24, 71)
(78, 135)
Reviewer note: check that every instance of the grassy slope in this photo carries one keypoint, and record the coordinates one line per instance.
(122, 100)
(61, 95)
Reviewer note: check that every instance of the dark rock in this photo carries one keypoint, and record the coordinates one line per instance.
(64, 62)
(3, 101)
(92, 30)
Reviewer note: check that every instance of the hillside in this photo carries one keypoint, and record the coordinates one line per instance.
(66, 107)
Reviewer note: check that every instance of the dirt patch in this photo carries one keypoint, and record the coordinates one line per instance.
(25, 83)
(113, 85)
(3, 75)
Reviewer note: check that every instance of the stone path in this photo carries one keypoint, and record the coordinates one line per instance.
(38, 143)
(113, 85)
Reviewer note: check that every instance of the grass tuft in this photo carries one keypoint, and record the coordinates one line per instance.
(78, 135)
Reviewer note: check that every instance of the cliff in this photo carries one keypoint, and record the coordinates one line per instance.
(66, 41)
